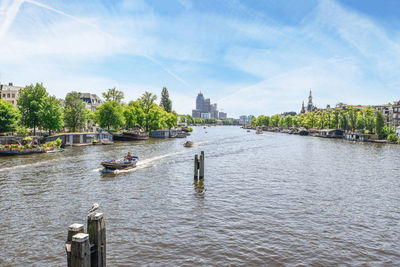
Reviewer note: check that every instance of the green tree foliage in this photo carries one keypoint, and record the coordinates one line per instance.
(8, 117)
(75, 113)
(30, 101)
(275, 120)
(113, 95)
(352, 115)
(254, 121)
(380, 124)
(165, 103)
(110, 114)
(51, 114)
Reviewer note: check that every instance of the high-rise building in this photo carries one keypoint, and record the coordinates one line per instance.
(214, 111)
(196, 113)
(200, 102)
(222, 115)
(207, 106)
(204, 109)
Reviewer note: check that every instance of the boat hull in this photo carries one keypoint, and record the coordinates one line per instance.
(15, 153)
(119, 165)
(130, 137)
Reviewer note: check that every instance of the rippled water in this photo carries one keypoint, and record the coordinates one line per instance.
(271, 199)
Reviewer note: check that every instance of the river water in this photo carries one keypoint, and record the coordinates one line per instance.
(267, 200)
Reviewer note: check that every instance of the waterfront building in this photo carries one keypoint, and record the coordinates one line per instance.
(214, 111)
(203, 105)
(396, 114)
(205, 115)
(91, 101)
(10, 93)
(196, 113)
(289, 113)
(303, 109)
(387, 112)
(222, 115)
(207, 106)
(249, 118)
(243, 119)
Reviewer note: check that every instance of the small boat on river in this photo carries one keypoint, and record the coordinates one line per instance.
(55, 150)
(188, 144)
(259, 131)
(122, 164)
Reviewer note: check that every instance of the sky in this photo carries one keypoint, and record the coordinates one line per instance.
(248, 56)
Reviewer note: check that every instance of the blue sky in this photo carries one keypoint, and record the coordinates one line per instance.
(251, 57)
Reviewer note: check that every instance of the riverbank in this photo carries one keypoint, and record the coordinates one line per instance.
(324, 133)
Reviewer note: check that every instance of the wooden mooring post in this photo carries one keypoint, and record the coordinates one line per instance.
(97, 236)
(199, 166)
(73, 229)
(87, 250)
(80, 250)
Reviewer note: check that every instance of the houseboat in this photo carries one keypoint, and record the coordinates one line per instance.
(131, 136)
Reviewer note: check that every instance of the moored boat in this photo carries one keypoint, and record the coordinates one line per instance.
(55, 150)
(130, 136)
(259, 131)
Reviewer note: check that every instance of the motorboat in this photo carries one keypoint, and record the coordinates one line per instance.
(188, 144)
(122, 164)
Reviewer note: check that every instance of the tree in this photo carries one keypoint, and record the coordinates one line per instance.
(336, 118)
(254, 121)
(113, 95)
(352, 114)
(30, 100)
(51, 114)
(380, 124)
(147, 103)
(75, 113)
(110, 113)
(8, 117)
(165, 103)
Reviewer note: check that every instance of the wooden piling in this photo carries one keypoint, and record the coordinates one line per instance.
(80, 250)
(73, 229)
(97, 236)
(196, 167)
(202, 165)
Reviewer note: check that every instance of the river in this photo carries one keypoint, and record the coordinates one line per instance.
(267, 200)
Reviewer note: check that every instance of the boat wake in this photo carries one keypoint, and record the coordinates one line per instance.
(142, 164)
(44, 162)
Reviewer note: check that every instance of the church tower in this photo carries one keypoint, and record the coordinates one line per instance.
(303, 109)
(310, 105)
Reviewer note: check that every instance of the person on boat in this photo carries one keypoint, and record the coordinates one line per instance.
(129, 156)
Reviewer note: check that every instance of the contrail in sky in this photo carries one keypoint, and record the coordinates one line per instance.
(11, 12)
(8, 15)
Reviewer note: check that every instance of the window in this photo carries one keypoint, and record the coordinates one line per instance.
(4, 95)
(12, 102)
(8, 95)
(13, 95)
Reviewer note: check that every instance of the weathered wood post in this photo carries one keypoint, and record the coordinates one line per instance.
(202, 165)
(73, 229)
(196, 167)
(80, 250)
(97, 236)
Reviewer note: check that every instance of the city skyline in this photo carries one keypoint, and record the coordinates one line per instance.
(251, 57)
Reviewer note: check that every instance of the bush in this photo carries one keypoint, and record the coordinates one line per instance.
(190, 129)
(58, 142)
(20, 147)
(27, 138)
(392, 137)
(27, 146)
(14, 146)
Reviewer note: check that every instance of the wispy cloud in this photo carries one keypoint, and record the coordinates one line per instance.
(238, 55)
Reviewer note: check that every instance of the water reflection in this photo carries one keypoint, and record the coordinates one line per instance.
(199, 187)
